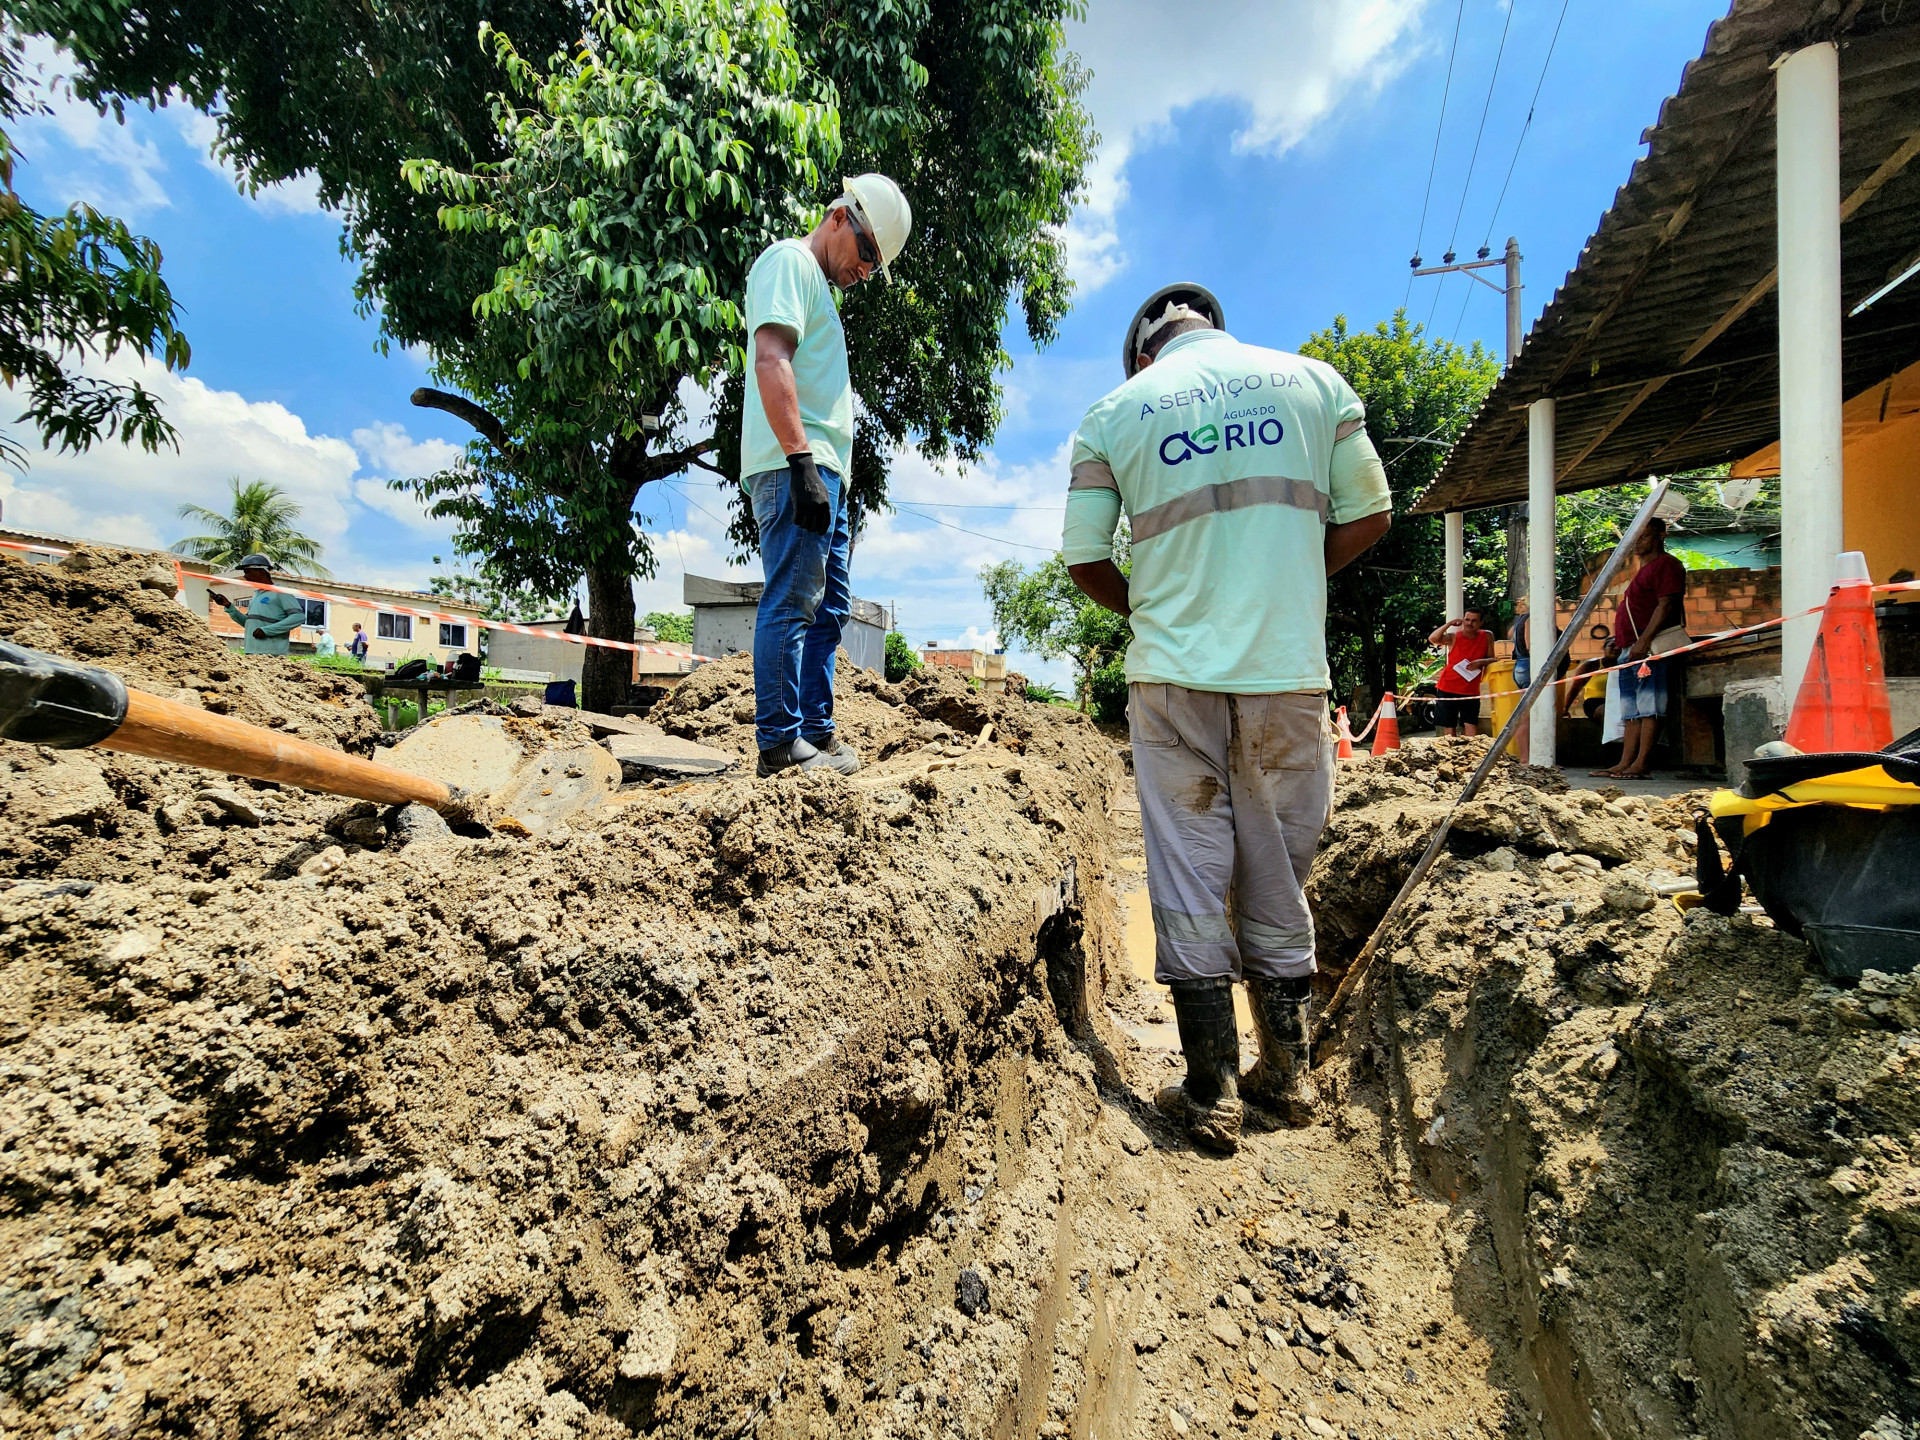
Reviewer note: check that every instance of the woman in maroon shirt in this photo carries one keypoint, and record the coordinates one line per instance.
(1654, 601)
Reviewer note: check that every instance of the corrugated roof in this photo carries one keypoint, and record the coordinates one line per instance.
(1661, 346)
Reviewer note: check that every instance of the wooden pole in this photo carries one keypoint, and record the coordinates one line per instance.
(167, 730)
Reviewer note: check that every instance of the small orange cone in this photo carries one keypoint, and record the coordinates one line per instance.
(1343, 736)
(1843, 704)
(1387, 736)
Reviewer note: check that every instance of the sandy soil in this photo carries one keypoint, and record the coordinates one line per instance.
(815, 1107)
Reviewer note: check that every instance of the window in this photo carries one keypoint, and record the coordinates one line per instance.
(394, 627)
(316, 614)
(453, 637)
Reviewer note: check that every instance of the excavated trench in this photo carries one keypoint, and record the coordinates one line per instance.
(817, 1108)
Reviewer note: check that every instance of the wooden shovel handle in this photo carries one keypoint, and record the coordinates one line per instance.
(167, 730)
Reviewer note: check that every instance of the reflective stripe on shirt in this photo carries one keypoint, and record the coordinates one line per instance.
(1239, 494)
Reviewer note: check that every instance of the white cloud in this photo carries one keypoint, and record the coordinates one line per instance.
(112, 171)
(298, 196)
(1290, 64)
(115, 493)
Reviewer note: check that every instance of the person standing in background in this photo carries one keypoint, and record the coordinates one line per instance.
(1469, 647)
(1654, 602)
(357, 646)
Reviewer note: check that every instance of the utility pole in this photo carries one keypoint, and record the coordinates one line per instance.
(1539, 529)
(1456, 596)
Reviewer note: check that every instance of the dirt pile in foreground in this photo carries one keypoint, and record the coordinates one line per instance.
(96, 815)
(1683, 1165)
(704, 1116)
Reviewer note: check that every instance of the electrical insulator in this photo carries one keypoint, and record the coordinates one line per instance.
(1484, 252)
(1447, 259)
(1414, 263)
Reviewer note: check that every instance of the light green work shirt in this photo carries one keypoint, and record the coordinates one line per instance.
(1231, 460)
(279, 615)
(787, 287)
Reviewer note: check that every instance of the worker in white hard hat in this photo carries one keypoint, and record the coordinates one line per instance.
(796, 451)
(1248, 478)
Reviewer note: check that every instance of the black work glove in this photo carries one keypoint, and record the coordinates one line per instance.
(812, 510)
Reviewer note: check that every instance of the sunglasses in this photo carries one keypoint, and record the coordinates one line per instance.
(869, 252)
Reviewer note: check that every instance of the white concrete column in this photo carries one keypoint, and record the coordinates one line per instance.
(1808, 212)
(1456, 563)
(1540, 541)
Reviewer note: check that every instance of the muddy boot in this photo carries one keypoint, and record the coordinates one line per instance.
(1281, 1080)
(1208, 1104)
(835, 753)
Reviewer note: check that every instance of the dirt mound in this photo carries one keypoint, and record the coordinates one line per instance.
(115, 609)
(714, 705)
(1679, 1160)
(685, 1119)
(94, 815)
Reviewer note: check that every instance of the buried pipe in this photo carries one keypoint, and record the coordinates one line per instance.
(1543, 676)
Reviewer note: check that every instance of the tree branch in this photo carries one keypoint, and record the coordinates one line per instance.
(704, 465)
(478, 416)
(674, 461)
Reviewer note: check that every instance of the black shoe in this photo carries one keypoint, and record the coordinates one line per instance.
(835, 752)
(795, 754)
(1281, 1080)
(1208, 1104)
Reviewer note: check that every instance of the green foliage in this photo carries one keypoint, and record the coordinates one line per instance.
(260, 520)
(341, 662)
(902, 661)
(1420, 394)
(1591, 523)
(1045, 612)
(480, 587)
(671, 626)
(1041, 693)
(73, 287)
(1107, 692)
(603, 209)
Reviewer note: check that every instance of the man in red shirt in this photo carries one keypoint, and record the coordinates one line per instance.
(1459, 680)
(1654, 601)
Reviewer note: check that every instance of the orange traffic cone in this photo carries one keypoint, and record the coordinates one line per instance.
(1843, 704)
(1343, 735)
(1387, 736)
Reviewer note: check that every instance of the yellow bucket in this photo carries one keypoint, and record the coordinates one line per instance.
(1498, 678)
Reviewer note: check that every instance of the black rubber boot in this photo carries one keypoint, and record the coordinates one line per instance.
(794, 754)
(1208, 1104)
(1281, 1080)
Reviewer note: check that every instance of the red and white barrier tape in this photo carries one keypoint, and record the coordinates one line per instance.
(436, 616)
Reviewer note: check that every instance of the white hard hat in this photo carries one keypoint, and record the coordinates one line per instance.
(881, 207)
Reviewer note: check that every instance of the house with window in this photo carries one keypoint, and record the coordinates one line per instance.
(393, 635)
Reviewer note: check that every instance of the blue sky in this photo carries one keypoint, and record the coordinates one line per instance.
(1278, 152)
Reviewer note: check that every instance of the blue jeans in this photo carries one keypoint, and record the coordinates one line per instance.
(802, 609)
(1643, 699)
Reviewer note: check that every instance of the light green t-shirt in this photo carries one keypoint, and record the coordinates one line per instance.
(1224, 456)
(787, 287)
(279, 615)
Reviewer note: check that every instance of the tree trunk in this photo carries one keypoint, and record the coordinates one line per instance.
(1516, 561)
(1390, 656)
(607, 673)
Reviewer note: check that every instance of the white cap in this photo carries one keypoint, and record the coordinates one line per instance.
(884, 212)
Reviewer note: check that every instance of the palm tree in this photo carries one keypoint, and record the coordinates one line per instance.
(261, 519)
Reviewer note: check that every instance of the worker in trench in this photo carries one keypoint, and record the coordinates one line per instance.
(796, 453)
(1247, 477)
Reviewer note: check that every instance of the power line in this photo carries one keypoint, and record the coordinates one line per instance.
(1474, 160)
(1528, 125)
(936, 520)
(1439, 129)
(947, 505)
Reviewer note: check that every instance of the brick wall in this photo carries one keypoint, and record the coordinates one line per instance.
(1716, 600)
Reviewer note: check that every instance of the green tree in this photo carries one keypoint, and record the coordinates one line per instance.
(1045, 612)
(901, 659)
(73, 287)
(260, 520)
(480, 586)
(1420, 394)
(671, 626)
(973, 107)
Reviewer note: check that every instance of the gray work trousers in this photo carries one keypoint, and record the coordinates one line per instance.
(1234, 792)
